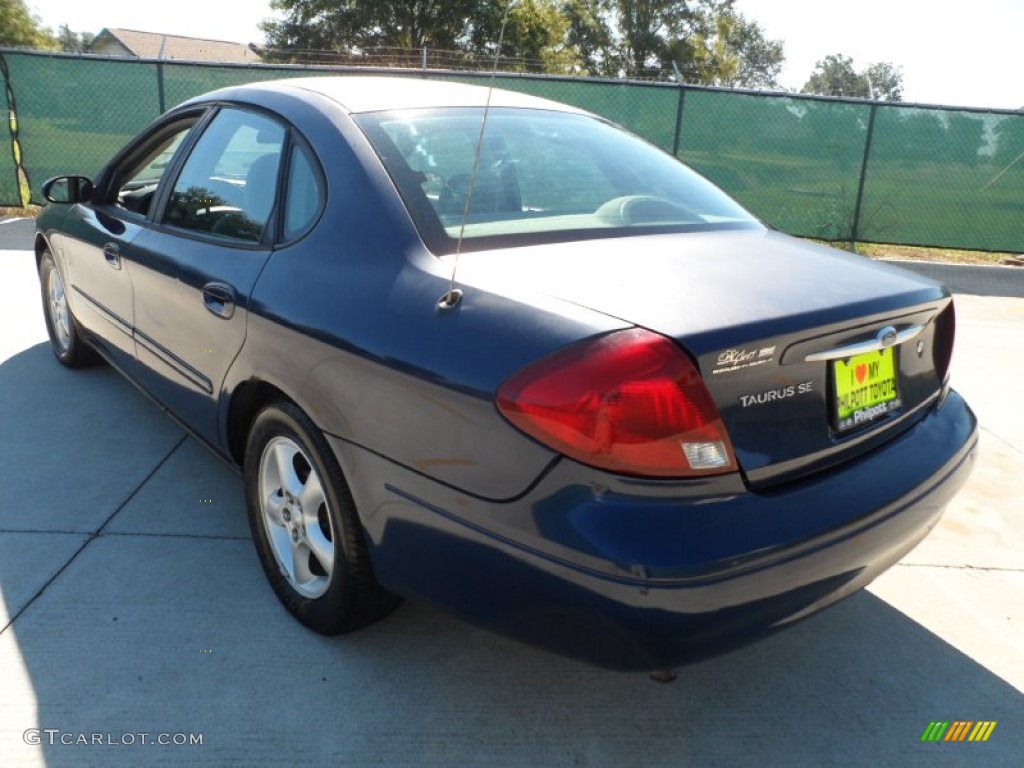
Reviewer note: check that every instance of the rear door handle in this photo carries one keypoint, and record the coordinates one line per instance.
(219, 298)
(112, 254)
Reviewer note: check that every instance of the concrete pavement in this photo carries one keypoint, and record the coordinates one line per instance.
(131, 602)
(995, 280)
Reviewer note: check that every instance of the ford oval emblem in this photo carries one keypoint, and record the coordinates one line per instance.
(886, 337)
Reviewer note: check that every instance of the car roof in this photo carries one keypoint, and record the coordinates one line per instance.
(359, 93)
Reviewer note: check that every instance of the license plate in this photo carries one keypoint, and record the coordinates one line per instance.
(865, 388)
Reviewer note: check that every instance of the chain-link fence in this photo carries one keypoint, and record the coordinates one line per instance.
(827, 168)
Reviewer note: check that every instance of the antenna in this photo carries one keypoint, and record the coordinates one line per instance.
(453, 295)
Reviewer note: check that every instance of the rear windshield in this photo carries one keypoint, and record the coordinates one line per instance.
(541, 177)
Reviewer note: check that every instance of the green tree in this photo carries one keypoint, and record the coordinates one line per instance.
(733, 52)
(706, 41)
(645, 29)
(537, 33)
(649, 35)
(536, 36)
(835, 75)
(73, 42)
(885, 81)
(18, 27)
(590, 35)
(341, 26)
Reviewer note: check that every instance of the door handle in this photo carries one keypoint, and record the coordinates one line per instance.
(112, 254)
(219, 298)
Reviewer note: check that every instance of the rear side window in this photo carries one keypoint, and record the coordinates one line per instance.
(304, 196)
(228, 185)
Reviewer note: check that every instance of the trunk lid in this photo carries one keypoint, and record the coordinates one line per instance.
(774, 324)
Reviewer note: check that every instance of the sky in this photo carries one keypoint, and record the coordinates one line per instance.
(957, 54)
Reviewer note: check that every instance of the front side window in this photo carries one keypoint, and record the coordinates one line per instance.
(541, 176)
(228, 185)
(136, 191)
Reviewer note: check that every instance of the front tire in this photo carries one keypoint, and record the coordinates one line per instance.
(305, 526)
(66, 340)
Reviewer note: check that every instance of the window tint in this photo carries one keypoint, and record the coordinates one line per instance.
(228, 184)
(304, 194)
(138, 191)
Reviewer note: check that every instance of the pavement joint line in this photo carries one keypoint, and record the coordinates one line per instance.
(1002, 440)
(34, 530)
(92, 536)
(139, 487)
(143, 535)
(948, 567)
(128, 533)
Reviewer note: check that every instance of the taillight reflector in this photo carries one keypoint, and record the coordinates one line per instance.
(942, 345)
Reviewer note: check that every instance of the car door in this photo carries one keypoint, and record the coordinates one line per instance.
(96, 242)
(194, 271)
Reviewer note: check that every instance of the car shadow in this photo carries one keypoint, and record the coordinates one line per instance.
(139, 607)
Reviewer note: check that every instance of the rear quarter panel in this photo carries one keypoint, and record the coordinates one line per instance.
(345, 322)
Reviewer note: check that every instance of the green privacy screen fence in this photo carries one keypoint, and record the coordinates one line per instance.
(826, 168)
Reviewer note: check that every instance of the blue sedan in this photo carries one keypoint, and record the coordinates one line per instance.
(493, 353)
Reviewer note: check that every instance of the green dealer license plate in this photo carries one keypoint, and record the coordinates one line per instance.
(865, 388)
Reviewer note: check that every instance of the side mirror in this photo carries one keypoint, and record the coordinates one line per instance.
(68, 189)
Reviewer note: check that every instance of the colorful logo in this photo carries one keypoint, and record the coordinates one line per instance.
(958, 730)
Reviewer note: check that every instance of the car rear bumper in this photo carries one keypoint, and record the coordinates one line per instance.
(635, 577)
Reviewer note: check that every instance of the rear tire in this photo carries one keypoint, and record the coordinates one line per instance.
(66, 340)
(305, 526)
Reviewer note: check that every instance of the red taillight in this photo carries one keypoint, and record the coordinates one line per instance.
(630, 402)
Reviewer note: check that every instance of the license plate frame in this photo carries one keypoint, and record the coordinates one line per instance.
(865, 388)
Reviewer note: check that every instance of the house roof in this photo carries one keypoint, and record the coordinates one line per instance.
(154, 45)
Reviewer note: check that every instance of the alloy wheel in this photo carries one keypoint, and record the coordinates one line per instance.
(296, 517)
(59, 315)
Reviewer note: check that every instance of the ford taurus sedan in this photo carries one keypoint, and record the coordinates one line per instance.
(492, 353)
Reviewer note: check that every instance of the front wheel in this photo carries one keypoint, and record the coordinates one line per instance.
(66, 340)
(305, 527)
